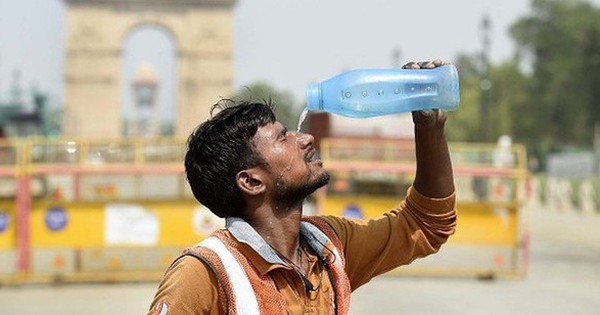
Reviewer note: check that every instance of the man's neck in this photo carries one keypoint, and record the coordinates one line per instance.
(279, 227)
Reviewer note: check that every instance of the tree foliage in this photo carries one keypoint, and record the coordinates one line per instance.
(464, 124)
(548, 96)
(562, 39)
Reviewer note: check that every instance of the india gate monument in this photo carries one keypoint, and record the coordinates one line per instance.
(202, 33)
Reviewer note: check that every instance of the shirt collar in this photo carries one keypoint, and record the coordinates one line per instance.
(243, 232)
(246, 234)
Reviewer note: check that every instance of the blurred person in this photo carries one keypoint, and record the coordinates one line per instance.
(246, 167)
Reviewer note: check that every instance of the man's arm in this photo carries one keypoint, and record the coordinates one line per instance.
(434, 176)
(188, 287)
(421, 223)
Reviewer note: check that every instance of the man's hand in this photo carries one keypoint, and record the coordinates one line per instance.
(424, 64)
(434, 176)
(428, 118)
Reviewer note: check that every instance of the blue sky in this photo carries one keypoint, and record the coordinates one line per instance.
(288, 43)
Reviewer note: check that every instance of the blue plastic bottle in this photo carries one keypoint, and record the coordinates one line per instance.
(377, 92)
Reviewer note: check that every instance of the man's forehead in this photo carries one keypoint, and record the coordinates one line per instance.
(269, 131)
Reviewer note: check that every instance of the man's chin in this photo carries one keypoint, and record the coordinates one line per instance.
(325, 179)
(286, 193)
(322, 180)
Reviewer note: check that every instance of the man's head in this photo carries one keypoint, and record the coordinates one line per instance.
(243, 152)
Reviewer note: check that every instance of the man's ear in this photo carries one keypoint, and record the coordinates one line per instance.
(251, 181)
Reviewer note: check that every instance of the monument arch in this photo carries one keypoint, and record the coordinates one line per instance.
(148, 55)
(202, 32)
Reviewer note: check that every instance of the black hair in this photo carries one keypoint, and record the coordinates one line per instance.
(221, 147)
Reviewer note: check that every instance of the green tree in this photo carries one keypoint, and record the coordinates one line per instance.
(510, 113)
(464, 124)
(508, 98)
(285, 110)
(562, 39)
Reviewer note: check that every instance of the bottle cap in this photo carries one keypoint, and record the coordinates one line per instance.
(313, 96)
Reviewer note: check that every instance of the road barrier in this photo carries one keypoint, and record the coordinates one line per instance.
(369, 176)
(120, 210)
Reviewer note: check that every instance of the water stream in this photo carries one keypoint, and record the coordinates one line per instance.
(301, 119)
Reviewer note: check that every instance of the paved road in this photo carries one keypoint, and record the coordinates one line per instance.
(564, 278)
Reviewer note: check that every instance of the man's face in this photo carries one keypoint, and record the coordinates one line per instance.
(292, 161)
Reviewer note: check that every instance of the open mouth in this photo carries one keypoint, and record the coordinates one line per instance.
(312, 156)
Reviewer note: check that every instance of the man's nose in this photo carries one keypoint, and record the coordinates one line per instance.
(305, 139)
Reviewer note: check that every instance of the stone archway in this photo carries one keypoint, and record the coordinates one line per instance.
(202, 30)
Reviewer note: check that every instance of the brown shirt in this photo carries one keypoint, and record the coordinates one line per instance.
(417, 228)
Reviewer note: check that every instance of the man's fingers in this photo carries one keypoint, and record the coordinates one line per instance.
(424, 64)
(438, 62)
(428, 64)
(430, 117)
(411, 65)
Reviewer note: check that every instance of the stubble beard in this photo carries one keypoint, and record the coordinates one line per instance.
(291, 194)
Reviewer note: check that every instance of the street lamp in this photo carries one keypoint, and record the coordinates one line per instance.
(145, 87)
(485, 84)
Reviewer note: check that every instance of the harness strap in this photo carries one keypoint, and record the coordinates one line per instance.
(246, 302)
(245, 291)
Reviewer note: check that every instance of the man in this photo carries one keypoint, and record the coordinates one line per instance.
(246, 167)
